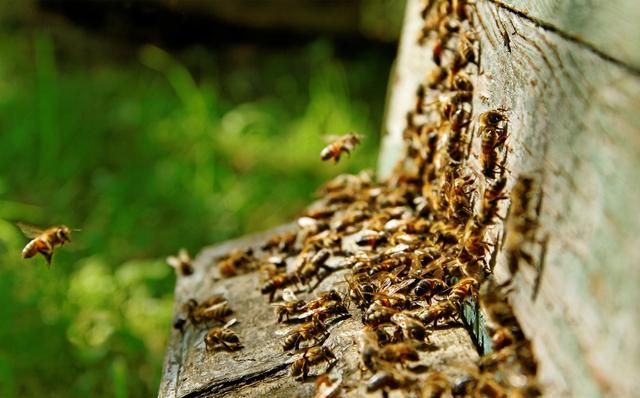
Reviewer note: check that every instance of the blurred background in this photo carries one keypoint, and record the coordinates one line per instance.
(152, 126)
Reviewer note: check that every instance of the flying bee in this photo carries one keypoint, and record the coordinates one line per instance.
(344, 144)
(222, 337)
(44, 241)
(310, 357)
(437, 312)
(291, 306)
(181, 263)
(214, 308)
(411, 327)
(278, 281)
(312, 330)
(463, 289)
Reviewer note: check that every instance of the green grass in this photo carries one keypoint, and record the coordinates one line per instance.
(147, 156)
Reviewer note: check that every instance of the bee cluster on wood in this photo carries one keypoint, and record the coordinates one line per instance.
(413, 249)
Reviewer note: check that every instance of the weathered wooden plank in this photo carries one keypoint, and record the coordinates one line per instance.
(611, 27)
(572, 125)
(261, 368)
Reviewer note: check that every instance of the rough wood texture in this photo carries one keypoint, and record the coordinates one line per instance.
(261, 368)
(610, 27)
(573, 124)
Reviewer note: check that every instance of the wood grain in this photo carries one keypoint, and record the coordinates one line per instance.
(261, 368)
(610, 27)
(574, 125)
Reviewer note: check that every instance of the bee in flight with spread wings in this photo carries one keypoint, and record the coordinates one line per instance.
(44, 241)
(340, 145)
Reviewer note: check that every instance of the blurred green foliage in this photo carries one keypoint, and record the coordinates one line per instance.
(148, 155)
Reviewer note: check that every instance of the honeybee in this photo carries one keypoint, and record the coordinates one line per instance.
(344, 144)
(310, 357)
(492, 197)
(522, 220)
(461, 290)
(428, 287)
(398, 352)
(291, 306)
(44, 241)
(360, 291)
(389, 380)
(466, 53)
(368, 347)
(218, 337)
(277, 281)
(327, 387)
(315, 330)
(436, 76)
(436, 385)
(494, 132)
(214, 308)
(310, 266)
(283, 242)
(378, 314)
(181, 263)
(236, 261)
(437, 312)
(411, 327)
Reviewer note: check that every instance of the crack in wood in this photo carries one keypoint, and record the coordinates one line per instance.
(234, 384)
(568, 36)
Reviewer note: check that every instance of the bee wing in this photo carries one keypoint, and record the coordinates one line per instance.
(214, 307)
(285, 332)
(399, 286)
(30, 231)
(288, 295)
(329, 138)
(173, 261)
(184, 256)
(230, 323)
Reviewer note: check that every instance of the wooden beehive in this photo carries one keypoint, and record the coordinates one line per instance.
(568, 74)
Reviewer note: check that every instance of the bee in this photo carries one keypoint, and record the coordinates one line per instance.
(44, 241)
(461, 290)
(327, 387)
(344, 144)
(378, 314)
(361, 292)
(467, 52)
(436, 77)
(278, 281)
(411, 327)
(492, 197)
(181, 263)
(283, 242)
(236, 261)
(310, 266)
(522, 220)
(315, 330)
(369, 237)
(494, 132)
(437, 312)
(222, 337)
(310, 357)
(291, 306)
(398, 352)
(389, 380)
(436, 385)
(421, 94)
(368, 347)
(214, 308)
(429, 287)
